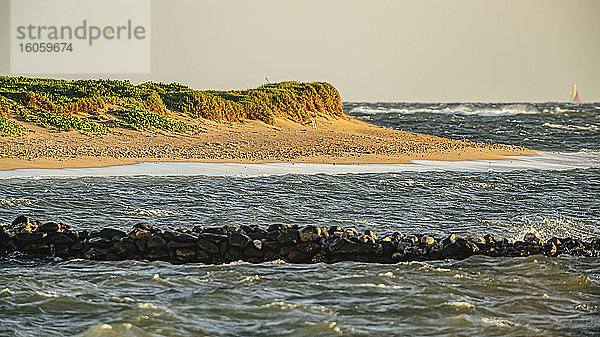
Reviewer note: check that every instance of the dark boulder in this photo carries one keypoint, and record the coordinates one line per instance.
(239, 239)
(370, 248)
(427, 240)
(311, 248)
(344, 246)
(269, 256)
(489, 239)
(109, 234)
(253, 253)
(156, 241)
(208, 246)
(184, 237)
(349, 233)
(185, 254)
(366, 239)
(40, 249)
(532, 238)
(288, 236)
(233, 254)
(181, 244)
(28, 237)
(276, 228)
(48, 227)
(20, 220)
(143, 226)
(335, 231)
(62, 238)
(271, 246)
(397, 236)
(158, 254)
(449, 239)
(98, 241)
(127, 250)
(296, 256)
(371, 234)
(214, 238)
(459, 249)
(140, 237)
(310, 233)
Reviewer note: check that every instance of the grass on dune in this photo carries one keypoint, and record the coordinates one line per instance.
(62, 104)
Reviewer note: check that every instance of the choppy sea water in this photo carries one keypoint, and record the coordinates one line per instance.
(553, 194)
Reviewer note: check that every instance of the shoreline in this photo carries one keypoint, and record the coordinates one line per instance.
(543, 161)
(9, 164)
(338, 141)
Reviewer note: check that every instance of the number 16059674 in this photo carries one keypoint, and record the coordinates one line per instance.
(46, 47)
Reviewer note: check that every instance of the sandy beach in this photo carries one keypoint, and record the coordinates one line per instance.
(340, 141)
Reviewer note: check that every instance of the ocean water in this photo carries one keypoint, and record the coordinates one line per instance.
(555, 193)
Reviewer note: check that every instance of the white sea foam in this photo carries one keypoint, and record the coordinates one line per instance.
(290, 306)
(387, 274)
(498, 322)
(543, 161)
(146, 305)
(460, 305)
(249, 279)
(590, 127)
(6, 292)
(152, 212)
(379, 285)
(507, 110)
(40, 293)
(12, 202)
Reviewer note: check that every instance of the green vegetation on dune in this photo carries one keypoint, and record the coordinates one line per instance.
(61, 121)
(299, 102)
(9, 126)
(148, 106)
(12, 128)
(142, 119)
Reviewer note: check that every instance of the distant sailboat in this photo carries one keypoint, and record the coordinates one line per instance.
(575, 94)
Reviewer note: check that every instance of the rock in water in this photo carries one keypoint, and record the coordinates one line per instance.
(459, 249)
(310, 233)
(308, 244)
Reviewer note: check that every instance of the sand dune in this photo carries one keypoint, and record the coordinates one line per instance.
(345, 140)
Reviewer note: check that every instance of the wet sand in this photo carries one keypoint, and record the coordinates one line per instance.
(342, 141)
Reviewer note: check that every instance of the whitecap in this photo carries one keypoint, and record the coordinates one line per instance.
(12, 202)
(506, 110)
(499, 322)
(146, 305)
(39, 293)
(290, 306)
(153, 212)
(379, 285)
(6, 292)
(570, 127)
(387, 274)
(459, 305)
(122, 299)
(249, 279)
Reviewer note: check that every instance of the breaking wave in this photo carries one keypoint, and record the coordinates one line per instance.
(569, 127)
(507, 110)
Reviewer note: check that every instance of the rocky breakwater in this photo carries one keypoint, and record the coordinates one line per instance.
(309, 244)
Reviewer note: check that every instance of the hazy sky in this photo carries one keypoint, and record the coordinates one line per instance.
(377, 50)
